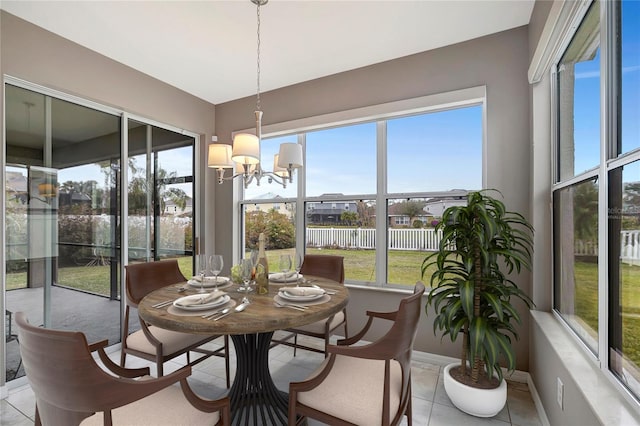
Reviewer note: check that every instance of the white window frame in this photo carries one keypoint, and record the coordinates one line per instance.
(376, 113)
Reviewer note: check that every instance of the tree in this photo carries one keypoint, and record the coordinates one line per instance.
(366, 213)
(412, 209)
(139, 186)
(585, 213)
(349, 217)
(277, 227)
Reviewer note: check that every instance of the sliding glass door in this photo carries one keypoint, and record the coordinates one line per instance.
(63, 198)
(62, 170)
(160, 195)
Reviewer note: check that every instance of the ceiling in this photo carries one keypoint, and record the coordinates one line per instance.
(208, 48)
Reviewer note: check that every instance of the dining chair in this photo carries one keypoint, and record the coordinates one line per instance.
(154, 343)
(71, 388)
(368, 383)
(324, 266)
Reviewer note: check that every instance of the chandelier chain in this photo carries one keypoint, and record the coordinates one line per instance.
(258, 60)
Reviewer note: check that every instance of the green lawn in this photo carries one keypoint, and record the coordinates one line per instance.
(586, 304)
(359, 266)
(404, 269)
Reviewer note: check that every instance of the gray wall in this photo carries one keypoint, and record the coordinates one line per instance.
(38, 56)
(499, 61)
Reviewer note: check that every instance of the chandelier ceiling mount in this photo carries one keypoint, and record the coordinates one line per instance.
(246, 146)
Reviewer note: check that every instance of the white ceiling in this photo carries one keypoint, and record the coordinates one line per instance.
(208, 48)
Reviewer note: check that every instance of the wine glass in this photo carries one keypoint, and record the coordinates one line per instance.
(285, 265)
(297, 265)
(216, 263)
(202, 270)
(246, 268)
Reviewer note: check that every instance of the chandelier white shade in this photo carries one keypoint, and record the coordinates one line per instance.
(246, 147)
(219, 156)
(290, 156)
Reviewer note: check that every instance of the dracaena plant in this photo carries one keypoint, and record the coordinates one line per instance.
(482, 245)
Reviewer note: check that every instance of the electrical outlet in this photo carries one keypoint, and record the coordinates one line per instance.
(560, 393)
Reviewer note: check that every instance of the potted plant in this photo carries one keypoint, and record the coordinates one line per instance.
(482, 244)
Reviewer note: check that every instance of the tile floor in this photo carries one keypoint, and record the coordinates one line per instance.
(431, 406)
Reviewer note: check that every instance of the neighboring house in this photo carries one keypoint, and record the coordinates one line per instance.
(282, 208)
(170, 208)
(73, 199)
(433, 209)
(16, 187)
(396, 216)
(328, 212)
(436, 207)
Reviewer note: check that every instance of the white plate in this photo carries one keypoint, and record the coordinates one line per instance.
(208, 282)
(277, 277)
(218, 302)
(292, 297)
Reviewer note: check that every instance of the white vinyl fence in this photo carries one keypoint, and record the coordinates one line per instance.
(428, 240)
(629, 247)
(365, 238)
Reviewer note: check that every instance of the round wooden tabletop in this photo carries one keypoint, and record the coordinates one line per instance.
(262, 315)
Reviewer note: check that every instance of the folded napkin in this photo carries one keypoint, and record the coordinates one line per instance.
(283, 276)
(202, 299)
(303, 291)
(219, 280)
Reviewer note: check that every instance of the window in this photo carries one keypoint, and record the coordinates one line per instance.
(416, 161)
(345, 167)
(341, 159)
(576, 258)
(578, 80)
(585, 264)
(278, 225)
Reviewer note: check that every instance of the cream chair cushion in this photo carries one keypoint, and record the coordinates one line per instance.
(318, 326)
(167, 407)
(363, 406)
(172, 341)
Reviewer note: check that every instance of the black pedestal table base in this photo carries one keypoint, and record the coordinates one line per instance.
(255, 399)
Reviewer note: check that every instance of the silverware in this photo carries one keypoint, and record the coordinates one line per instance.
(325, 290)
(222, 313)
(297, 308)
(241, 307)
(213, 314)
(162, 304)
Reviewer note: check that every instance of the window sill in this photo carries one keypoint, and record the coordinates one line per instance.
(387, 289)
(598, 391)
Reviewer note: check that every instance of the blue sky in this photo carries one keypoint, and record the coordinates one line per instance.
(420, 153)
(587, 95)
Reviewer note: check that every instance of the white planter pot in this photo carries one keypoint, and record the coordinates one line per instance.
(474, 401)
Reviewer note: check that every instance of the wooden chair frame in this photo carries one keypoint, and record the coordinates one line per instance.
(326, 266)
(143, 278)
(70, 386)
(396, 344)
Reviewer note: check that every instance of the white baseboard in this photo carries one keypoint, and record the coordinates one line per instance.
(542, 415)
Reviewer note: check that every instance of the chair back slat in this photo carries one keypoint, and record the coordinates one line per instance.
(143, 278)
(325, 266)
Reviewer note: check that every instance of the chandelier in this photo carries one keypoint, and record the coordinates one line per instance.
(246, 146)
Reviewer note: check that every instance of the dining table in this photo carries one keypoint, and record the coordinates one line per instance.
(255, 399)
